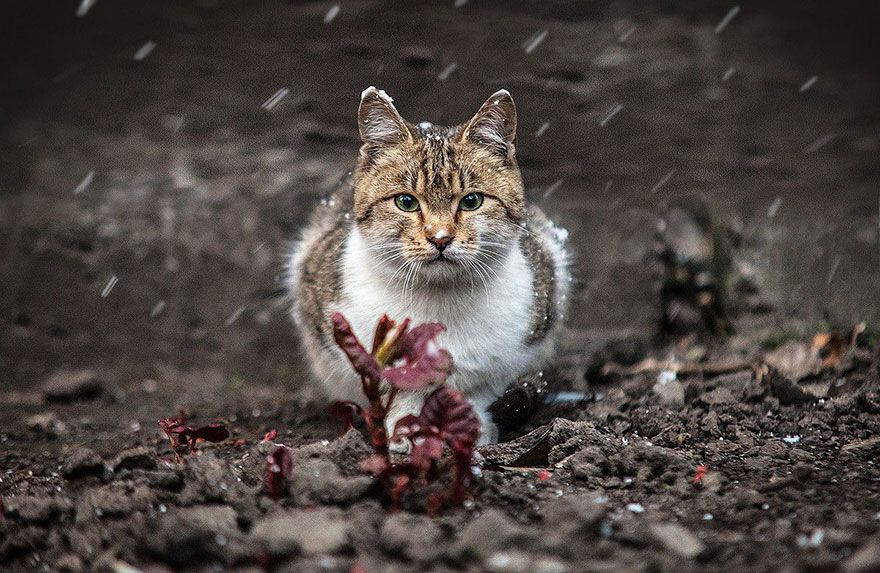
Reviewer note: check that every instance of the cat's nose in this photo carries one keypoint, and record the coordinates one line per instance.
(440, 241)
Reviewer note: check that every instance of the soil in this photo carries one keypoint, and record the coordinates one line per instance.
(153, 289)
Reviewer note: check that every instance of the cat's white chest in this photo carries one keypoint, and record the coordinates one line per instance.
(486, 324)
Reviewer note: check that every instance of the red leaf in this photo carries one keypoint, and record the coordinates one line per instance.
(270, 435)
(279, 465)
(361, 360)
(424, 362)
(697, 480)
(344, 411)
(211, 433)
(543, 475)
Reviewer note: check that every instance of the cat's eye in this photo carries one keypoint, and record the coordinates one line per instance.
(471, 202)
(406, 202)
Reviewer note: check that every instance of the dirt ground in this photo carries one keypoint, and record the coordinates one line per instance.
(146, 204)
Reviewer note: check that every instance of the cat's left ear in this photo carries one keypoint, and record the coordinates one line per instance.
(494, 125)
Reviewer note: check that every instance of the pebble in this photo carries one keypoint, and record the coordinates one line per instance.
(82, 462)
(67, 385)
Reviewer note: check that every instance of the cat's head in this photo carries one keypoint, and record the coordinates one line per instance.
(443, 202)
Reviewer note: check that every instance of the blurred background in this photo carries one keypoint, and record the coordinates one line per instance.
(156, 158)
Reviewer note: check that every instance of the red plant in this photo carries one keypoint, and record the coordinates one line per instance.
(270, 436)
(184, 439)
(446, 420)
(697, 480)
(279, 466)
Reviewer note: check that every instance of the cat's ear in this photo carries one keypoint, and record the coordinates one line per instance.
(379, 123)
(494, 125)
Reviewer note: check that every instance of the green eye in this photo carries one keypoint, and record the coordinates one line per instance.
(406, 202)
(471, 202)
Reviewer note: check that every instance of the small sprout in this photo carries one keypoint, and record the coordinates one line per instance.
(697, 480)
(184, 439)
(543, 475)
(270, 436)
(409, 359)
(279, 465)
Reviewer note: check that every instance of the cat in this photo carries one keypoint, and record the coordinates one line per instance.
(433, 225)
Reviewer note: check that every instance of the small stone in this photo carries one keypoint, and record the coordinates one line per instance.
(317, 481)
(677, 539)
(572, 518)
(82, 462)
(135, 458)
(509, 562)
(412, 536)
(490, 532)
(550, 565)
(66, 386)
(670, 392)
(868, 447)
(36, 509)
(46, 423)
(188, 536)
(865, 560)
(69, 563)
(306, 532)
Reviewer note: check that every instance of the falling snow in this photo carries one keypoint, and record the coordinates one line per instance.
(610, 115)
(728, 18)
(331, 14)
(808, 84)
(144, 51)
(84, 184)
(447, 71)
(532, 43)
(109, 286)
(276, 98)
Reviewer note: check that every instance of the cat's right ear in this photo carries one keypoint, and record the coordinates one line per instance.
(379, 123)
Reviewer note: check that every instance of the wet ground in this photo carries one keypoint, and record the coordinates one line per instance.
(168, 172)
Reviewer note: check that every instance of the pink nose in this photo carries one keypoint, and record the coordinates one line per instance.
(440, 242)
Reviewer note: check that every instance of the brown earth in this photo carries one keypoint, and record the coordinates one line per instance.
(197, 190)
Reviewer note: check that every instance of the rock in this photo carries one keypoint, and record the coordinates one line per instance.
(721, 395)
(676, 539)
(863, 448)
(36, 509)
(306, 532)
(670, 392)
(46, 423)
(113, 501)
(193, 535)
(206, 479)
(317, 481)
(490, 532)
(509, 562)
(588, 463)
(789, 392)
(865, 560)
(66, 386)
(573, 517)
(134, 458)
(548, 444)
(794, 359)
(415, 537)
(69, 563)
(82, 462)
